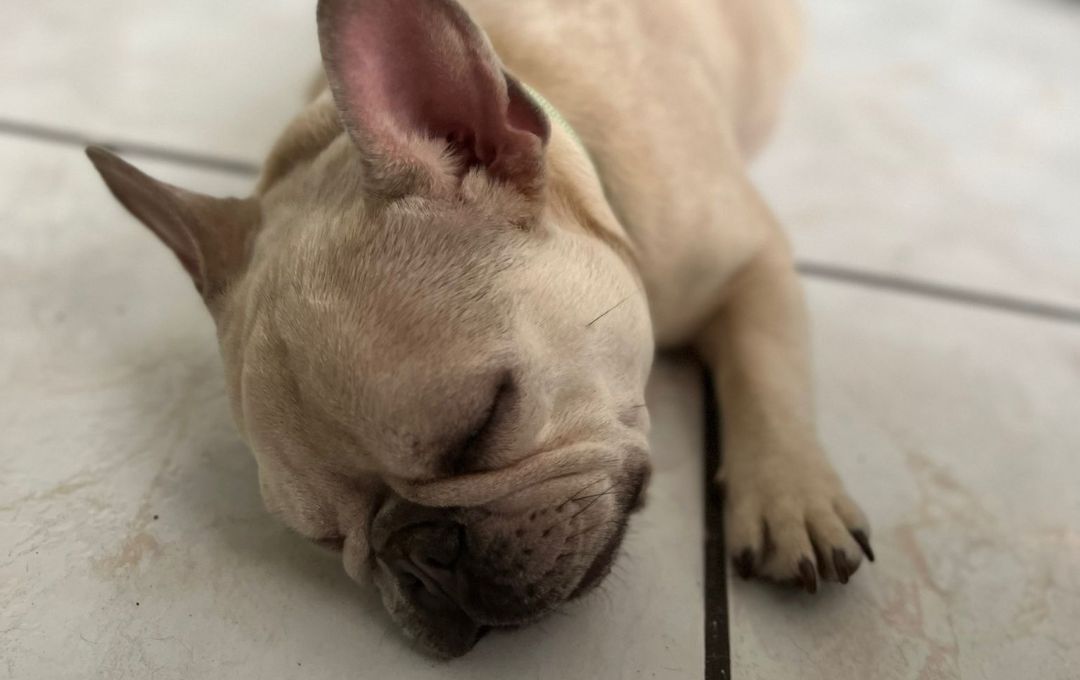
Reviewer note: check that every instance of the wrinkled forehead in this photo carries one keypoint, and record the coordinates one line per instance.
(399, 272)
(393, 326)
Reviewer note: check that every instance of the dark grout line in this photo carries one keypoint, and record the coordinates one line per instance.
(72, 138)
(717, 632)
(937, 291)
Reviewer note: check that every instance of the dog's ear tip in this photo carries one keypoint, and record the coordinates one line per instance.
(101, 157)
(96, 154)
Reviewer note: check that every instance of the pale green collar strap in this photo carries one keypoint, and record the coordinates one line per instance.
(555, 116)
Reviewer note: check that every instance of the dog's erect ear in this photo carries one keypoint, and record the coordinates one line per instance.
(407, 69)
(209, 235)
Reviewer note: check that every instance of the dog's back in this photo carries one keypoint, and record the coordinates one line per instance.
(688, 65)
(671, 99)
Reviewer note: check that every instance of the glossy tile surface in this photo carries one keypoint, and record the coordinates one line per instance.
(956, 429)
(203, 76)
(937, 140)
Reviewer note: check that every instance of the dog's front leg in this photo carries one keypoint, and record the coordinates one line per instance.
(787, 516)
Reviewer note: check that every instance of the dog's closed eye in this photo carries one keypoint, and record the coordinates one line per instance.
(465, 455)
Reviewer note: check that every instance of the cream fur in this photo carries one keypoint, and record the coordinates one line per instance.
(363, 338)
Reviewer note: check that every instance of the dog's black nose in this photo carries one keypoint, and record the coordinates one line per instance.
(427, 566)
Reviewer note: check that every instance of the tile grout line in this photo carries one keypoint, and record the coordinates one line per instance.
(942, 292)
(836, 273)
(44, 133)
(717, 631)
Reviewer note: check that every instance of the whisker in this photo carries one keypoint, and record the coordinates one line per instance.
(588, 529)
(574, 495)
(548, 528)
(591, 503)
(587, 555)
(585, 498)
(609, 311)
(616, 568)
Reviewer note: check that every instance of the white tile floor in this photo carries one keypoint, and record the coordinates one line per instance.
(942, 143)
(957, 429)
(939, 140)
(222, 78)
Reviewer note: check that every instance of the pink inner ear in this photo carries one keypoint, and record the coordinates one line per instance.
(407, 68)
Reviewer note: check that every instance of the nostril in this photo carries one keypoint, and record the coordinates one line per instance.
(436, 563)
(435, 571)
(432, 588)
(426, 562)
(443, 550)
(409, 581)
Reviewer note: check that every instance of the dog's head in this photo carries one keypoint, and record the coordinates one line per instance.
(433, 344)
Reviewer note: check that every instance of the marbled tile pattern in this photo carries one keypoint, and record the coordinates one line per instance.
(957, 430)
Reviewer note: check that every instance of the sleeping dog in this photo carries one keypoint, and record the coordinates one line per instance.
(439, 309)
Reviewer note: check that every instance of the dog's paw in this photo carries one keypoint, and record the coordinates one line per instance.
(791, 522)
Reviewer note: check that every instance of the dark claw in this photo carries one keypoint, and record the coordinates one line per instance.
(860, 537)
(744, 563)
(807, 575)
(843, 569)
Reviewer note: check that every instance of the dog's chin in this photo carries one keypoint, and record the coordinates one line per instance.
(449, 632)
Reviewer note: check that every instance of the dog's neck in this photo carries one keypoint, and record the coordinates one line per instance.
(575, 194)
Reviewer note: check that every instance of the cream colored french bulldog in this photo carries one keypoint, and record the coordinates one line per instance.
(439, 309)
